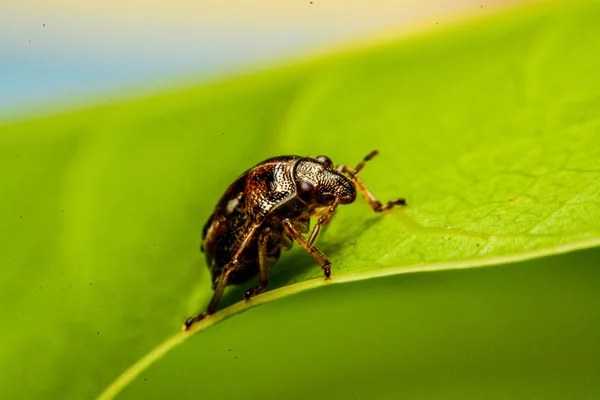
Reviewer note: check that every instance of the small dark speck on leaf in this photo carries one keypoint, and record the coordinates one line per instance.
(235, 357)
(90, 284)
(229, 349)
(69, 285)
(97, 333)
(20, 216)
(477, 244)
(145, 379)
(44, 24)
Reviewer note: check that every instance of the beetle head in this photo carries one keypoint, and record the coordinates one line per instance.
(317, 182)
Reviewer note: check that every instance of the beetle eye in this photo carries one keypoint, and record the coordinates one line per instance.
(306, 191)
(326, 161)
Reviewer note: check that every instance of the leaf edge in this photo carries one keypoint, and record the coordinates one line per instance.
(130, 374)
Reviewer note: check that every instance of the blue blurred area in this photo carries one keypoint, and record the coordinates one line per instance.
(36, 78)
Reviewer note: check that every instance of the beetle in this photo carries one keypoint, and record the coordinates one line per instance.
(268, 208)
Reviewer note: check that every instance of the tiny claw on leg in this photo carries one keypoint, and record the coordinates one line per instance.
(398, 202)
(389, 205)
(327, 271)
(191, 321)
(250, 293)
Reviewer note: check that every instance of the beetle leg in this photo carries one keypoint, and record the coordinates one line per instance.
(285, 242)
(263, 265)
(214, 301)
(291, 230)
(362, 164)
(366, 193)
(324, 220)
(222, 281)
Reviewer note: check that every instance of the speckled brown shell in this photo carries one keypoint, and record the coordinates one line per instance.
(264, 195)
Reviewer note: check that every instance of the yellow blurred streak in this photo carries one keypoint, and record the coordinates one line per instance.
(248, 11)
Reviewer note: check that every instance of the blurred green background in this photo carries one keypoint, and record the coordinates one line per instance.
(489, 128)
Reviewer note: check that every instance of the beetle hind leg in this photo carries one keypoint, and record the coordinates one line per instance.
(223, 279)
(263, 262)
(221, 283)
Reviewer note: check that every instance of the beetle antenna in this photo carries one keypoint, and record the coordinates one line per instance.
(362, 164)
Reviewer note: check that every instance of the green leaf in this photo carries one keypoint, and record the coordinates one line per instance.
(520, 331)
(489, 129)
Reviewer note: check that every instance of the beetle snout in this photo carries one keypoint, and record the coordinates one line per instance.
(348, 198)
(346, 193)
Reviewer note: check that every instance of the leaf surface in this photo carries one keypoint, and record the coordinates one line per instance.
(489, 129)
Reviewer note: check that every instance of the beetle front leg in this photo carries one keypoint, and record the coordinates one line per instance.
(375, 204)
(291, 230)
(263, 265)
(324, 220)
